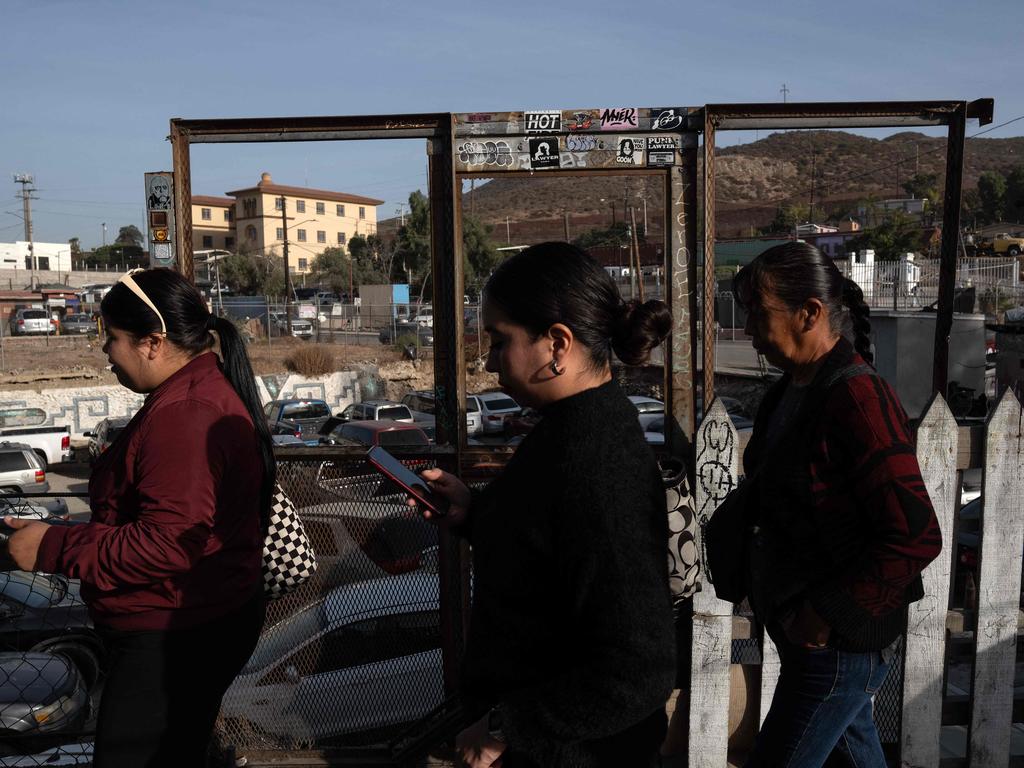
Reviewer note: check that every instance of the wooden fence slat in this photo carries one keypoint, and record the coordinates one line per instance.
(999, 565)
(925, 646)
(771, 666)
(716, 474)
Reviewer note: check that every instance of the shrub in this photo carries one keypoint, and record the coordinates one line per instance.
(311, 360)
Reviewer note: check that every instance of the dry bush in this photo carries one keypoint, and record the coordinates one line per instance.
(311, 360)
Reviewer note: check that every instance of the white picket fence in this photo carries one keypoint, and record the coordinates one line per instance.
(943, 448)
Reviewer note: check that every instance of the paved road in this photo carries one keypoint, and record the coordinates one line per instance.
(71, 477)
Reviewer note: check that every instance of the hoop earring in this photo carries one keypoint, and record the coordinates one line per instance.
(555, 369)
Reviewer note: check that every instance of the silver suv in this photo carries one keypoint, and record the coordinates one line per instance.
(26, 321)
(375, 410)
(21, 470)
(422, 403)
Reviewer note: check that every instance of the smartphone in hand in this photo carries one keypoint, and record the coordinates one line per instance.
(405, 478)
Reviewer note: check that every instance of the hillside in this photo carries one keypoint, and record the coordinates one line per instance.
(752, 181)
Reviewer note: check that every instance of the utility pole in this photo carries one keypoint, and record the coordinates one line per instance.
(26, 179)
(635, 244)
(785, 92)
(810, 215)
(287, 269)
(508, 233)
(567, 226)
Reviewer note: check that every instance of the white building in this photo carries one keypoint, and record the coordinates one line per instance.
(49, 256)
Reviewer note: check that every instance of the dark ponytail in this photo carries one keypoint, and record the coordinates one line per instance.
(860, 312)
(557, 282)
(189, 324)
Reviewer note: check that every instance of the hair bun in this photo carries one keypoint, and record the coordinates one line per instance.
(639, 328)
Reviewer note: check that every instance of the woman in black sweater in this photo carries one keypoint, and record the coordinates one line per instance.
(571, 652)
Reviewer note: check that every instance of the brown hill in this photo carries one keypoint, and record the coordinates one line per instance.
(753, 180)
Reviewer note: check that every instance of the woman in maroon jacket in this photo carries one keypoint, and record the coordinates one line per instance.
(170, 563)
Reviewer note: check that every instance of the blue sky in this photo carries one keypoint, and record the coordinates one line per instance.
(88, 86)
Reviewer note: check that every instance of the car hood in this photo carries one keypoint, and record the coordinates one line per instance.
(30, 679)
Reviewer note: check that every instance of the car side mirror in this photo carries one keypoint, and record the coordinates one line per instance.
(291, 675)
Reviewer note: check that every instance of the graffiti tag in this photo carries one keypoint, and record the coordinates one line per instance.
(485, 153)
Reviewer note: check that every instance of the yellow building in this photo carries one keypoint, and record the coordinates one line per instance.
(213, 223)
(315, 219)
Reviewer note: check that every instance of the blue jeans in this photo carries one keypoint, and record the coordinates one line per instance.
(822, 704)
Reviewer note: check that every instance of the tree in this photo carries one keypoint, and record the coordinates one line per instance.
(787, 217)
(129, 235)
(76, 247)
(992, 196)
(617, 234)
(924, 186)
(1013, 200)
(116, 256)
(412, 255)
(895, 236)
(480, 257)
(253, 274)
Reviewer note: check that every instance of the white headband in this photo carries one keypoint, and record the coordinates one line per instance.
(127, 279)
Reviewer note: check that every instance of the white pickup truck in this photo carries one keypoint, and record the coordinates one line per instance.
(25, 425)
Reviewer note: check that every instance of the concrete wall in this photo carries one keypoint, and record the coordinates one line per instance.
(81, 408)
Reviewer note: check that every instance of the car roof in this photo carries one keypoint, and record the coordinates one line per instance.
(116, 421)
(298, 400)
(6, 446)
(644, 399)
(494, 396)
(381, 402)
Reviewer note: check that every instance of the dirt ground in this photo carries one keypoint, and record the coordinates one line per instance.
(77, 361)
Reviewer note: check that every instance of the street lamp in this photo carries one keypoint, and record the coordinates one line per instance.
(104, 233)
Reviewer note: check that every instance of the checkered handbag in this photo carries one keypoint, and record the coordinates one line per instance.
(288, 557)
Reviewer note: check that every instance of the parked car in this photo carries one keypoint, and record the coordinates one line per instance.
(29, 321)
(278, 326)
(648, 408)
(78, 324)
(301, 418)
(423, 405)
(366, 657)
(21, 470)
(102, 436)
(391, 334)
(495, 407)
(52, 444)
(385, 433)
(521, 423)
(375, 410)
(41, 694)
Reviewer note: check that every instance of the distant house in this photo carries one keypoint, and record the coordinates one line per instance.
(872, 214)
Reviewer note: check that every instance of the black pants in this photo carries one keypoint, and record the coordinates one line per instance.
(163, 690)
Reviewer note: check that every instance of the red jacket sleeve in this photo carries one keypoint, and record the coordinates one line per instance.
(176, 472)
(868, 439)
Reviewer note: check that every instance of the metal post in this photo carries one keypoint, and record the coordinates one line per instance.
(287, 268)
(709, 257)
(952, 199)
(267, 299)
(181, 150)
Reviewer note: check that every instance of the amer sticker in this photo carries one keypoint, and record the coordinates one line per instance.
(619, 119)
(666, 118)
(544, 152)
(630, 151)
(543, 122)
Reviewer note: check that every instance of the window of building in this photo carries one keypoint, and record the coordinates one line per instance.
(43, 262)
(321, 236)
(250, 232)
(278, 203)
(340, 210)
(207, 241)
(229, 242)
(303, 263)
(227, 214)
(321, 209)
(249, 205)
(206, 214)
(302, 235)
(280, 233)
(300, 206)
(341, 238)
(362, 212)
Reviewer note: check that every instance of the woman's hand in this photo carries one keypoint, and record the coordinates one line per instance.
(806, 628)
(475, 745)
(23, 545)
(451, 488)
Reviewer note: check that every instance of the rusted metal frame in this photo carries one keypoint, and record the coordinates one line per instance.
(877, 114)
(449, 384)
(561, 173)
(710, 125)
(324, 128)
(681, 281)
(952, 198)
(182, 168)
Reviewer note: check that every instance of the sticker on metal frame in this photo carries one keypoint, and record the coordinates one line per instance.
(661, 151)
(629, 151)
(544, 153)
(667, 118)
(546, 121)
(581, 120)
(619, 119)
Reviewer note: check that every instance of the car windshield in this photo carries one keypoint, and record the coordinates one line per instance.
(34, 314)
(113, 432)
(648, 406)
(402, 437)
(305, 411)
(394, 412)
(502, 404)
(12, 461)
(284, 637)
(472, 406)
